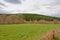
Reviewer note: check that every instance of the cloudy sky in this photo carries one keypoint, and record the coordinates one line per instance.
(45, 7)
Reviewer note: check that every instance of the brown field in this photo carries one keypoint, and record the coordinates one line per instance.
(53, 35)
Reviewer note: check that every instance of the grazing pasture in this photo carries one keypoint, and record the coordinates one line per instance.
(25, 31)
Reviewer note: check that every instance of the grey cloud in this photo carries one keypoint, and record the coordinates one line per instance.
(1, 8)
(13, 1)
(56, 15)
(1, 4)
(56, 2)
(53, 3)
(3, 12)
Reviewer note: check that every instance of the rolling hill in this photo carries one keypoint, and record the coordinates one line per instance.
(26, 18)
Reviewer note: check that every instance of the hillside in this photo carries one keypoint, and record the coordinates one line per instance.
(39, 17)
(26, 18)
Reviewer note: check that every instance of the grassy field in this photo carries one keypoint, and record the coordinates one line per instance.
(25, 31)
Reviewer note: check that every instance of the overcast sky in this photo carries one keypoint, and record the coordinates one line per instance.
(45, 7)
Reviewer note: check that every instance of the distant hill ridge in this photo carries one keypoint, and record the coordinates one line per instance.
(40, 17)
(27, 18)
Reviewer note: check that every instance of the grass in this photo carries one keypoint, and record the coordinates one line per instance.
(25, 31)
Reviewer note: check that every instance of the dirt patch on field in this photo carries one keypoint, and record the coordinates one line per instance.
(53, 35)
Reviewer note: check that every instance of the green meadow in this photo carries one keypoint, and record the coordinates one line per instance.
(25, 31)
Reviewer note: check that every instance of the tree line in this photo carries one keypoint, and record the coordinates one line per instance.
(39, 17)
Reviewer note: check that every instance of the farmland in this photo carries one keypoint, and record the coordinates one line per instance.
(25, 31)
